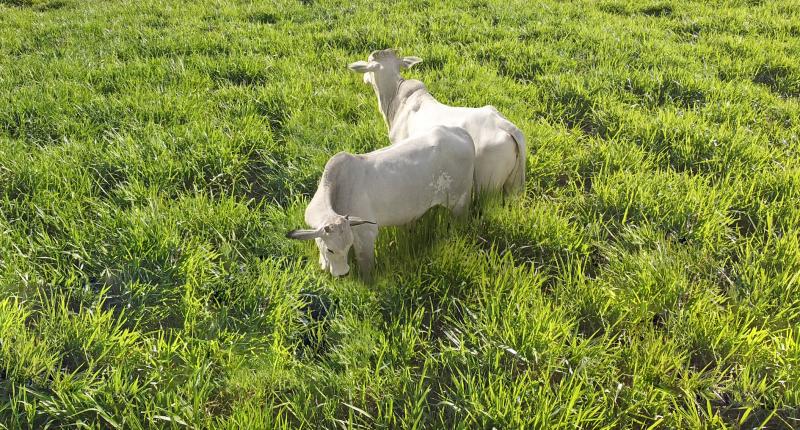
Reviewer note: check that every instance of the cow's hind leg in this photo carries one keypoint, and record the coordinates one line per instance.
(461, 208)
(514, 184)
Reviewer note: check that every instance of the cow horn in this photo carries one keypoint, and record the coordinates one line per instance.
(303, 234)
(354, 221)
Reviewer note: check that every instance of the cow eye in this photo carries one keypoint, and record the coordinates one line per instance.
(331, 251)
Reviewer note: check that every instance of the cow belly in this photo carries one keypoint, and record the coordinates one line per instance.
(416, 204)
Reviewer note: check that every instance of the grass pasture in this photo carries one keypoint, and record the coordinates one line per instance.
(152, 155)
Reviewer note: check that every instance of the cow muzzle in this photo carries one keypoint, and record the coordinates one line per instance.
(340, 272)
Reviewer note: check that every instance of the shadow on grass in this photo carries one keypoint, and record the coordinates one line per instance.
(39, 5)
(264, 18)
(780, 78)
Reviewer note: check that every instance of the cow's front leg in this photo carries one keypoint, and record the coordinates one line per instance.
(364, 245)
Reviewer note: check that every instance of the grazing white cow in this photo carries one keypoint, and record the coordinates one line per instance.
(391, 186)
(408, 108)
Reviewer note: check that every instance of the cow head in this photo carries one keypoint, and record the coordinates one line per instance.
(334, 240)
(383, 67)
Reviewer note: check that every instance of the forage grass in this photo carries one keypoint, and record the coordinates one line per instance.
(152, 154)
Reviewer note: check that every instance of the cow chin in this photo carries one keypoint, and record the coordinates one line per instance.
(334, 264)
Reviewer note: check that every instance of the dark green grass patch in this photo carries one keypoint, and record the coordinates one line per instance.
(152, 156)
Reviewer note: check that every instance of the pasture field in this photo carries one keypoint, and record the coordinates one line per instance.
(154, 153)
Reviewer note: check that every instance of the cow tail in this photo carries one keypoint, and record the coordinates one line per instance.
(516, 180)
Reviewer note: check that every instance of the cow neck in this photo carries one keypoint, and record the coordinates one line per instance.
(391, 101)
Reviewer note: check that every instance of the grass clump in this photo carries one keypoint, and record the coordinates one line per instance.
(153, 154)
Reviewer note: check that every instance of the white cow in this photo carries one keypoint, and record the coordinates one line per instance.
(408, 108)
(391, 186)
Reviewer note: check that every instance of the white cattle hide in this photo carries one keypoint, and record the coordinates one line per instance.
(408, 108)
(391, 186)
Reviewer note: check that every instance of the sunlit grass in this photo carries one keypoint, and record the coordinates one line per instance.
(152, 156)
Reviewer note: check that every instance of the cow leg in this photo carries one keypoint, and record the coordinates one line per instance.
(364, 244)
(461, 208)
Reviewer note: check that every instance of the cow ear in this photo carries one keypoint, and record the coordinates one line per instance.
(407, 62)
(303, 234)
(363, 66)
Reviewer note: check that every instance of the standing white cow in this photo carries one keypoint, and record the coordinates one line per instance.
(408, 108)
(390, 186)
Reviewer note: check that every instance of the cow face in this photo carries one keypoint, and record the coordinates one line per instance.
(334, 240)
(383, 67)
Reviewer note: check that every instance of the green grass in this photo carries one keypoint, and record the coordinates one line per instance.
(152, 155)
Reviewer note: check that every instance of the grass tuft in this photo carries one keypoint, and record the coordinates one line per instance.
(152, 156)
